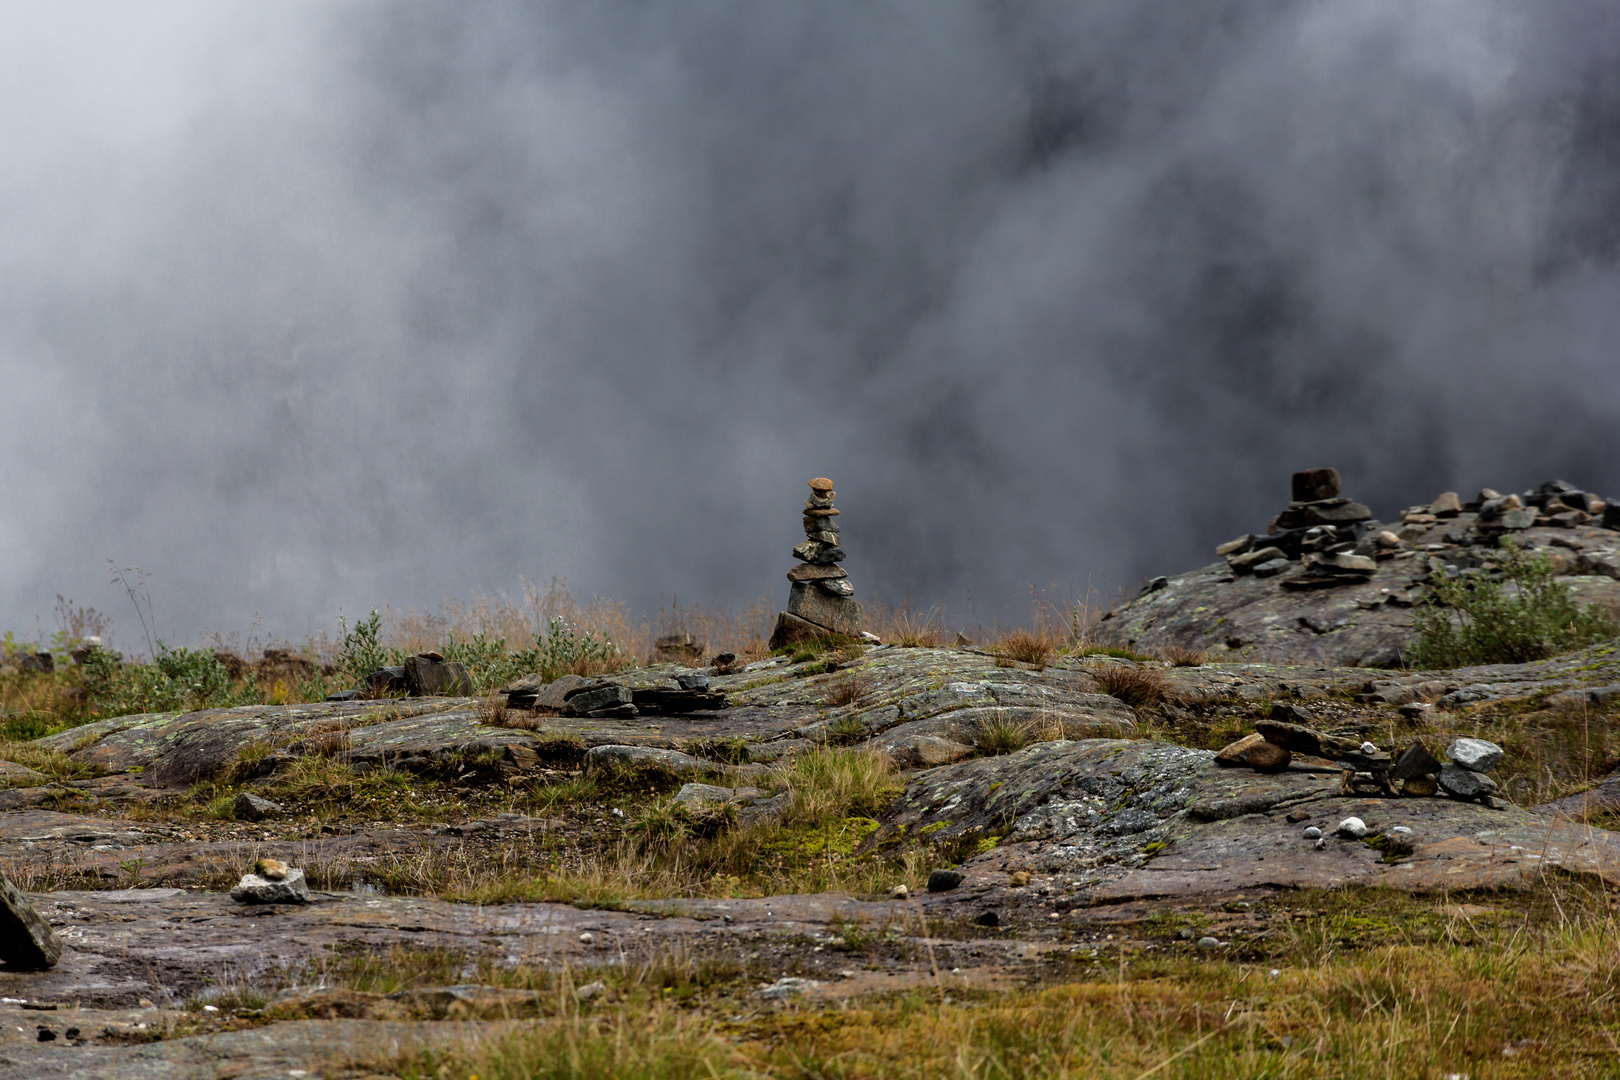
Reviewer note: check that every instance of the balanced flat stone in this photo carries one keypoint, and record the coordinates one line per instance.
(27, 943)
(807, 571)
(820, 483)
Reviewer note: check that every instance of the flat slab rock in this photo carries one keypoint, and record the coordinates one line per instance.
(1132, 820)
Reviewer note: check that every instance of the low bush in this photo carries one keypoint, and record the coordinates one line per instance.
(1477, 620)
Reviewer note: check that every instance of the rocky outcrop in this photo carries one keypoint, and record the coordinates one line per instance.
(1329, 584)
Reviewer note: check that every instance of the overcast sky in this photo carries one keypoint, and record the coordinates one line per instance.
(308, 307)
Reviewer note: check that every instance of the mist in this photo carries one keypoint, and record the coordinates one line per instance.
(315, 307)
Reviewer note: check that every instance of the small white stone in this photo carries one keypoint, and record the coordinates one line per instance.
(1352, 827)
(587, 938)
(210, 1008)
(1368, 748)
(1273, 973)
(1312, 833)
(1400, 829)
(1208, 943)
(590, 990)
(899, 892)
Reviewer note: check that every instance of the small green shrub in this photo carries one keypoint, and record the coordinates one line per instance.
(362, 651)
(1475, 620)
(175, 680)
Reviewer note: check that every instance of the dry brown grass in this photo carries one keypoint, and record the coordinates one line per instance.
(492, 710)
(1025, 647)
(1135, 686)
(849, 690)
(903, 626)
(1180, 656)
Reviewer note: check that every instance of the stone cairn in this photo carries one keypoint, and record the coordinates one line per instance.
(1333, 539)
(1324, 539)
(821, 600)
(1280, 743)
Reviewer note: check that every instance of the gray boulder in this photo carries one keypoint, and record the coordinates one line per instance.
(427, 677)
(250, 807)
(600, 699)
(1475, 754)
(647, 757)
(253, 889)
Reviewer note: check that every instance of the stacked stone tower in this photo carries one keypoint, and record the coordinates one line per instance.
(822, 599)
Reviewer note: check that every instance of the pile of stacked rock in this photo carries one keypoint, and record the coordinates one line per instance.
(1334, 539)
(1276, 744)
(1556, 504)
(820, 601)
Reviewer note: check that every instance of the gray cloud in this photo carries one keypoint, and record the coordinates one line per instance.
(329, 306)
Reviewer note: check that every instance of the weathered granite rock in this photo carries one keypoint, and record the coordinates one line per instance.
(836, 613)
(1465, 783)
(790, 629)
(599, 699)
(251, 807)
(647, 757)
(1477, 755)
(256, 889)
(920, 751)
(1447, 504)
(1237, 753)
(1268, 757)
(27, 942)
(386, 680)
(1303, 740)
(836, 587)
(427, 677)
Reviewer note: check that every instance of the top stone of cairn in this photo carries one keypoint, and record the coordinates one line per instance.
(820, 484)
(1313, 485)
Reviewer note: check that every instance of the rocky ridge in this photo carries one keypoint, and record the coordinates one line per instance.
(1328, 583)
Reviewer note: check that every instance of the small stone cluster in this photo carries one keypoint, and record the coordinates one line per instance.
(1365, 769)
(821, 600)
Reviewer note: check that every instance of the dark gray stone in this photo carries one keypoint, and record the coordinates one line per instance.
(386, 680)
(1271, 568)
(821, 551)
(600, 699)
(1310, 485)
(426, 677)
(1414, 761)
(648, 758)
(27, 943)
(693, 681)
(944, 880)
(343, 695)
(1465, 783)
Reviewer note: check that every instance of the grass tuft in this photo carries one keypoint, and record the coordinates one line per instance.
(1136, 686)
